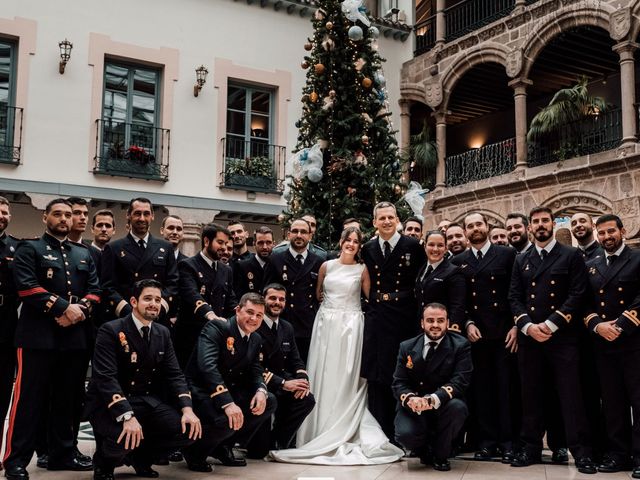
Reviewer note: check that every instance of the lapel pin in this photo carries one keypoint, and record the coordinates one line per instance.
(162, 249)
(134, 357)
(230, 342)
(122, 254)
(50, 273)
(409, 362)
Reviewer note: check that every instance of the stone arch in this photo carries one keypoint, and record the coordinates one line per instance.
(493, 218)
(413, 92)
(578, 200)
(489, 52)
(566, 18)
(634, 31)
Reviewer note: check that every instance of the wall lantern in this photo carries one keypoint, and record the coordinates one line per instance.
(201, 79)
(65, 54)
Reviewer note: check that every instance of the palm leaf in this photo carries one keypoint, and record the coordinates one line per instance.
(422, 149)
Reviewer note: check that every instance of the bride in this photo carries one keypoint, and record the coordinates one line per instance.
(340, 430)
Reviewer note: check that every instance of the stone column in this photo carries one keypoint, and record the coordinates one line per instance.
(627, 90)
(405, 135)
(192, 220)
(519, 86)
(441, 145)
(441, 25)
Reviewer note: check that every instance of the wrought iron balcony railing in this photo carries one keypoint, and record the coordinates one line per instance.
(252, 165)
(469, 15)
(425, 35)
(598, 133)
(132, 150)
(480, 163)
(10, 134)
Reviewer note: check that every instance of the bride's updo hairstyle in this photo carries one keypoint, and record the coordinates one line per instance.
(346, 233)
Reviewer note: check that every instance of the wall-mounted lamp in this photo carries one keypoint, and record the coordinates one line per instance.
(201, 79)
(65, 54)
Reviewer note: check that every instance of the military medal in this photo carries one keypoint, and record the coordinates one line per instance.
(50, 273)
(260, 357)
(592, 270)
(407, 259)
(230, 342)
(123, 341)
(409, 362)
(203, 290)
(250, 275)
(48, 247)
(251, 286)
(526, 269)
(11, 249)
(200, 275)
(134, 357)
(122, 254)
(284, 273)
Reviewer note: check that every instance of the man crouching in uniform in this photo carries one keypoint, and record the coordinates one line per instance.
(133, 366)
(432, 373)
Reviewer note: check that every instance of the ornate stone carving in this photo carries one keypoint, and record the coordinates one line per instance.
(433, 94)
(620, 22)
(468, 42)
(514, 63)
(491, 32)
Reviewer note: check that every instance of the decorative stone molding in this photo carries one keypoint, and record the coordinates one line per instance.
(628, 209)
(620, 22)
(578, 199)
(514, 63)
(493, 218)
(433, 94)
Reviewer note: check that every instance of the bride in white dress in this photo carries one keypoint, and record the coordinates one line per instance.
(340, 430)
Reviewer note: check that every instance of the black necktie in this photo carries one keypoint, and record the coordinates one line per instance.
(387, 249)
(145, 332)
(274, 327)
(142, 246)
(612, 258)
(300, 259)
(431, 352)
(479, 255)
(543, 254)
(246, 340)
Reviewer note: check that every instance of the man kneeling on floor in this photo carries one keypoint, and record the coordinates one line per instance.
(431, 376)
(133, 366)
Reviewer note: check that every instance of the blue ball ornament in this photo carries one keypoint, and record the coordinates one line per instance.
(355, 33)
(374, 32)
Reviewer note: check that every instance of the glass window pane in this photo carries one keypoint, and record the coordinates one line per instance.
(5, 71)
(116, 77)
(260, 102)
(259, 126)
(236, 98)
(144, 81)
(143, 110)
(235, 123)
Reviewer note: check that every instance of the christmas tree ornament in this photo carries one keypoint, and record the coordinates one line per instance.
(314, 174)
(332, 93)
(308, 46)
(367, 82)
(305, 98)
(319, 68)
(327, 103)
(367, 118)
(328, 44)
(365, 140)
(380, 80)
(352, 9)
(359, 64)
(355, 33)
(374, 32)
(305, 65)
(329, 25)
(313, 96)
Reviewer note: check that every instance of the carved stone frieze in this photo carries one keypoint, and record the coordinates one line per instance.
(433, 94)
(620, 22)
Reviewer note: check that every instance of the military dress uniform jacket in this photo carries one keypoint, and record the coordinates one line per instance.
(615, 295)
(447, 374)
(446, 285)
(300, 282)
(49, 275)
(223, 363)
(487, 293)
(248, 276)
(125, 367)
(124, 263)
(279, 356)
(8, 294)
(592, 251)
(554, 289)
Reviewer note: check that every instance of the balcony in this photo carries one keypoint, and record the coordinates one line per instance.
(10, 134)
(480, 163)
(595, 134)
(252, 165)
(425, 35)
(131, 150)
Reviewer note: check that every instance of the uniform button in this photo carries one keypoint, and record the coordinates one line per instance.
(398, 282)
(619, 289)
(155, 275)
(421, 383)
(493, 291)
(396, 290)
(291, 294)
(533, 284)
(621, 302)
(475, 307)
(602, 304)
(552, 307)
(377, 282)
(552, 294)
(133, 383)
(553, 282)
(601, 291)
(474, 294)
(495, 304)
(66, 263)
(375, 266)
(492, 277)
(533, 308)
(378, 273)
(291, 305)
(603, 316)
(533, 296)
(68, 272)
(69, 282)
(135, 274)
(310, 296)
(473, 280)
(311, 284)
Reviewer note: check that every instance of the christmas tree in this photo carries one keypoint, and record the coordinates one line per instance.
(346, 159)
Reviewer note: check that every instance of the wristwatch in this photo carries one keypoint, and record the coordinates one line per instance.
(127, 416)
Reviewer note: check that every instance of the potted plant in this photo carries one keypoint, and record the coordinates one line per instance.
(254, 172)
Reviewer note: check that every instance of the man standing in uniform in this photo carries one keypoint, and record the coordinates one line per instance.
(285, 376)
(206, 290)
(57, 283)
(296, 268)
(172, 230)
(413, 228)
(248, 274)
(498, 236)
(393, 261)
(103, 228)
(239, 236)
(456, 240)
(517, 226)
(613, 317)
(8, 311)
(582, 231)
(134, 366)
(138, 256)
(489, 328)
(547, 296)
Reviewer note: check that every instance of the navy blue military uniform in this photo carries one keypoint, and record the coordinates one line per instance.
(131, 375)
(552, 289)
(592, 251)
(300, 282)
(615, 296)
(248, 276)
(225, 368)
(487, 306)
(124, 263)
(49, 275)
(203, 289)
(447, 375)
(281, 361)
(390, 318)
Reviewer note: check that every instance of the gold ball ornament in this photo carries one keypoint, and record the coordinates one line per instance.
(319, 68)
(329, 25)
(305, 65)
(365, 140)
(313, 96)
(308, 46)
(367, 82)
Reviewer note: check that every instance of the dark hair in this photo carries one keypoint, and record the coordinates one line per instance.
(4, 201)
(350, 220)
(610, 217)
(104, 212)
(300, 220)
(435, 232)
(263, 230)
(484, 219)
(273, 286)
(140, 200)
(453, 224)
(211, 230)
(412, 219)
(235, 222)
(521, 216)
(164, 220)
(77, 201)
(252, 297)
(348, 231)
(437, 305)
(540, 209)
(56, 201)
(140, 285)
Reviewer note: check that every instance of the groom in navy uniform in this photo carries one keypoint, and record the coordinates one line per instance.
(433, 371)
(393, 261)
(296, 268)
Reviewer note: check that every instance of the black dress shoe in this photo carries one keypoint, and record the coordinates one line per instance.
(145, 471)
(176, 456)
(524, 459)
(227, 458)
(204, 467)
(507, 457)
(484, 454)
(635, 473)
(610, 465)
(586, 465)
(560, 456)
(81, 456)
(102, 474)
(442, 465)
(74, 465)
(43, 461)
(16, 473)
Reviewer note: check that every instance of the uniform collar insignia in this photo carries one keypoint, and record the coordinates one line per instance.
(49, 257)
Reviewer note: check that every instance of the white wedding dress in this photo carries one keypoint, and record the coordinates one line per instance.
(340, 430)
